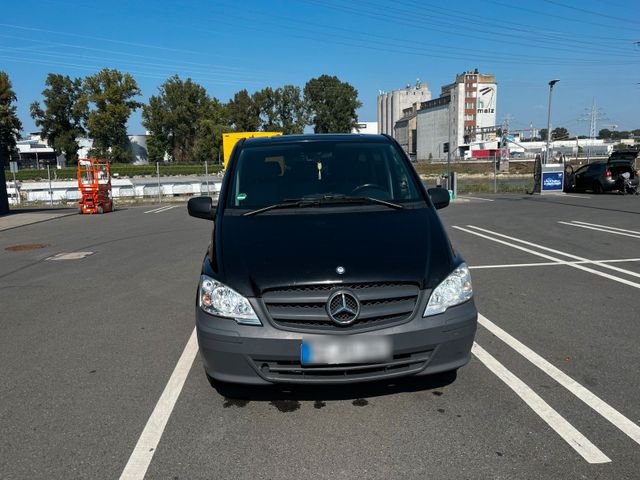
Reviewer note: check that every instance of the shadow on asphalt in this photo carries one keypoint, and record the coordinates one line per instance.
(239, 395)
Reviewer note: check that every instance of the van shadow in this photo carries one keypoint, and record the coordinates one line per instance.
(286, 397)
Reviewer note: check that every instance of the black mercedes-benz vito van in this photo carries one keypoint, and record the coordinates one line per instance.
(329, 264)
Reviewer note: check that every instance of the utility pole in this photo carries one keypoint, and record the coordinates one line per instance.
(592, 117)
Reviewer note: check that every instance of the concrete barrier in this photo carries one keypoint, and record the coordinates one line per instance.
(125, 189)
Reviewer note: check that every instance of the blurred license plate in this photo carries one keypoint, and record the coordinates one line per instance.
(327, 351)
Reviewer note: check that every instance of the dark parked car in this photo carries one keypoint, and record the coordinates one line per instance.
(604, 176)
(329, 264)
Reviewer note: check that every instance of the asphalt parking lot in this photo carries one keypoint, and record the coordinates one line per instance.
(97, 353)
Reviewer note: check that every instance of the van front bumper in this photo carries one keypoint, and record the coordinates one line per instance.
(262, 355)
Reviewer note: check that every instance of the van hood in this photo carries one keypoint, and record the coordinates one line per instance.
(296, 248)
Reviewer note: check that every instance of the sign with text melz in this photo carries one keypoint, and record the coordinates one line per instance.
(552, 181)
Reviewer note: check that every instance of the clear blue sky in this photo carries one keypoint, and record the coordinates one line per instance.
(374, 44)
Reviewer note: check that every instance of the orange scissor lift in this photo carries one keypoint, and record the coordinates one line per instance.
(94, 182)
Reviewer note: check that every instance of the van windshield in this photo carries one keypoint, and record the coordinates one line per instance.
(270, 174)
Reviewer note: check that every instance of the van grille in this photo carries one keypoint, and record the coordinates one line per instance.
(293, 370)
(304, 307)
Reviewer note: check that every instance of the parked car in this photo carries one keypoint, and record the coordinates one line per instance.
(604, 176)
(329, 264)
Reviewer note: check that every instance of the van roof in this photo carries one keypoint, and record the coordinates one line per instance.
(316, 137)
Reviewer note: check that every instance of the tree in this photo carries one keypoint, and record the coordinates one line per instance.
(243, 112)
(543, 134)
(282, 110)
(559, 133)
(111, 93)
(211, 126)
(10, 127)
(175, 119)
(62, 120)
(605, 133)
(332, 104)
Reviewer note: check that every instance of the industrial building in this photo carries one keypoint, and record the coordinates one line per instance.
(391, 105)
(34, 152)
(464, 113)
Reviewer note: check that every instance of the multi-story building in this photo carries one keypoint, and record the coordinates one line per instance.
(405, 130)
(465, 112)
(392, 104)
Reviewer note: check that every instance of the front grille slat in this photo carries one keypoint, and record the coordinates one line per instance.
(294, 370)
(304, 307)
(373, 311)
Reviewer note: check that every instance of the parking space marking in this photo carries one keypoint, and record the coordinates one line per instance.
(607, 230)
(142, 454)
(557, 422)
(476, 198)
(549, 257)
(606, 226)
(566, 195)
(164, 208)
(548, 264)
(604, 409)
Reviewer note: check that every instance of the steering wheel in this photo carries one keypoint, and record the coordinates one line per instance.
(369, 186)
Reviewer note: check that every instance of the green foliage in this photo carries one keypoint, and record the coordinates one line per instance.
(332, 104)
(282, 110)
(559, 133)
(65, 112)
(111, 94)
(10, 125)
(605, 133)
(184, 122)
(543, 134)
(244, 112)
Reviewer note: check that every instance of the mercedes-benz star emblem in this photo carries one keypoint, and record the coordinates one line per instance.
(343, 307)
(340, 270)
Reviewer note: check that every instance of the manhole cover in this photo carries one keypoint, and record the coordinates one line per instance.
(26, 246)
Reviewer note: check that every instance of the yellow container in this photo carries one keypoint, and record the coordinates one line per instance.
(230, 139)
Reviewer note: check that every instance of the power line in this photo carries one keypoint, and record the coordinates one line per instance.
(591, 12)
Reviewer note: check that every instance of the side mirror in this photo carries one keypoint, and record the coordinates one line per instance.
(201, 207)
(439, 197)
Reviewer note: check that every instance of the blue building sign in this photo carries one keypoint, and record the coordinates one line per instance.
(552, 181)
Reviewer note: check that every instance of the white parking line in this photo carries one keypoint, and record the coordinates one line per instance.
(557, 422)
(600, 229)
(142, 454)
(607, 227)
(156, 209)
(548, 264)
(559, 252)
(555, 259)
(476, 198)
(607, 411)
(566, 195)
(166, 209)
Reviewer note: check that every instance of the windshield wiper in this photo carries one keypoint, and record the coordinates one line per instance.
(287, 203)
(347, 199)
(321, 200)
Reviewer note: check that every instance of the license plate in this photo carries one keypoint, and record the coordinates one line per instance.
(336, 350)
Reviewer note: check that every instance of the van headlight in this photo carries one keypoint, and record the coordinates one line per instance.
(453, 290)
(218, 299)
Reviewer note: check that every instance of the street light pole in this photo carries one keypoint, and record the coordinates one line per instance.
(551, 84)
